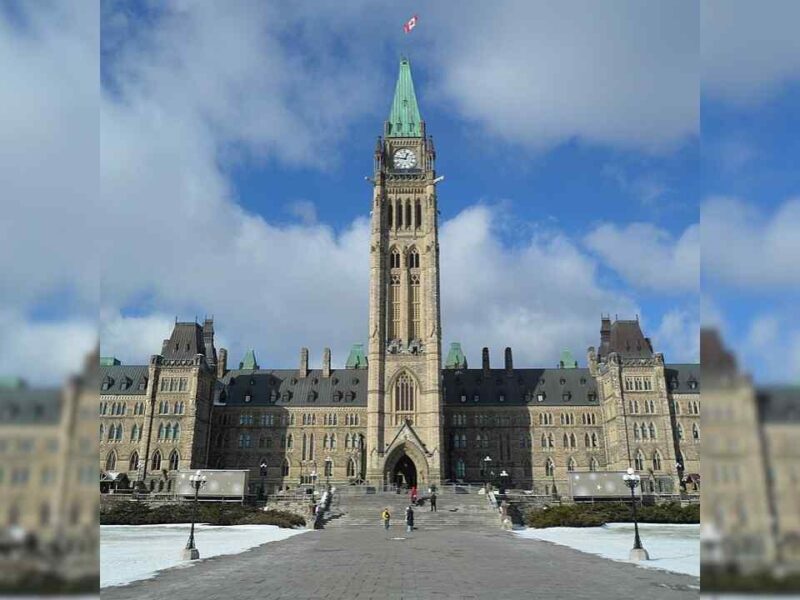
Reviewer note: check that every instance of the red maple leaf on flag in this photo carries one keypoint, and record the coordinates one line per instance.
(410, 24)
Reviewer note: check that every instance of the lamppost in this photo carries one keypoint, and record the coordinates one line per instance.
(263, 473)
(503, 481)
(486, 462)
(314, 481)
(190, 552)
(637, 552)
(328, 469)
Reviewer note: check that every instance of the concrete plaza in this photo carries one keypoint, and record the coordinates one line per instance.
(366, 563)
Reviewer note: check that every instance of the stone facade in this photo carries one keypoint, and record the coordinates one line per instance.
(396, 413)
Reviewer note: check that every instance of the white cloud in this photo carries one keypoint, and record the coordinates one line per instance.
(648, 257)
(745, 246)
(545, 73)
(749, 50)
(304, 210)
(645, 187)
(678, 336)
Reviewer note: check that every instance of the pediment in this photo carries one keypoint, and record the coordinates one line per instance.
(406, 434)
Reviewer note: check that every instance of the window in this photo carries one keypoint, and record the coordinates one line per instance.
(244, 440)
(417, 214)
(111, 461)
(285, 468)
(155, 464)
(404, 392)
(394, 304)
(461, 469)
(656, 461)
(416, 329)
(593, 464)
(571, 465)
(395, 259)
(413, 259)
(174, 460)
(549, 468)
(328, 468)
(133, 463)
(639, 461)
(679, 432)
(695, 432)
(652, 429)
(351, 468)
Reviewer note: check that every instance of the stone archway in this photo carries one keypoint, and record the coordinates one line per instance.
(406, 464)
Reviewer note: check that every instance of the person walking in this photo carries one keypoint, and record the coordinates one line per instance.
(386, 516)
(414, 495)
(433, 502)
(409, 518)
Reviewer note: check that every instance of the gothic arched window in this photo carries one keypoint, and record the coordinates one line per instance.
(155, 464)
(656, 461)
(461, 469)
(549, 468)
(639, 461)
(571, 464)
(133, 463)
(413, 259)
(404, 395)
(285, 468)
(111, 461)
(351, 468)
(593, 464)
(174, 460)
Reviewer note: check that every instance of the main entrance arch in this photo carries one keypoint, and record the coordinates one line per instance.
(406, 465)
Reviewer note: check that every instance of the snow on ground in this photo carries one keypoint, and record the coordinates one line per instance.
(671, 547)
(133, 552)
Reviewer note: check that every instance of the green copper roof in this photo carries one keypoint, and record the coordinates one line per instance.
(249, 361)
(404, 119)
(567, 360)
(357, 359)
(455, 357)
(109, 361)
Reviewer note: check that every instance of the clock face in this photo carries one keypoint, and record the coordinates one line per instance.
(405, 159)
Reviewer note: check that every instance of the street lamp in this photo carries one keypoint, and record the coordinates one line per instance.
(263, 473)
(314, 480)
(637, 552)
(486, 462)
(190, 552)
(328, 469)
(503, 481)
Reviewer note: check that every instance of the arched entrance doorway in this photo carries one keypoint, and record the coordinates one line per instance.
(404, 472)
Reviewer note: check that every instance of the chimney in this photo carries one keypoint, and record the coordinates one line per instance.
(303, 371)
(326, 362)
(485, 357)
(509, 363)
(208, 341)
(222, 363)
(605, 330)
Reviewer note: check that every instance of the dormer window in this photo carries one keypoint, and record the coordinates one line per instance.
(337, 396)
(223, 397)
(311, 396)
(566, 396)
(692, 384)
(273, 396)
(673, 383)
(463, 397)
(591, 397)
(107, 383)
(143, 384)
(351, 395)
(540, 397)
(248, 397)
(562, 381)
(501, 397)
(286, 396)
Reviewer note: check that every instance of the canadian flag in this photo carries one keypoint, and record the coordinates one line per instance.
(410, 24)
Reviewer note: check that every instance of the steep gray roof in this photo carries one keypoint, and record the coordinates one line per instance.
(626, 339)
(561, 387)
(185, 342)
(682, 378)
(779, 404)
(123, 379)
(23, 406)
(284, 388)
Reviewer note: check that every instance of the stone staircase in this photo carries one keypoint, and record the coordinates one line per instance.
(462, 510)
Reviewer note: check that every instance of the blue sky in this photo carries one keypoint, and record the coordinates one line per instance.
(233, 144)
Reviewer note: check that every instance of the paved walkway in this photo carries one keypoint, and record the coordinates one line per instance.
(359, 564)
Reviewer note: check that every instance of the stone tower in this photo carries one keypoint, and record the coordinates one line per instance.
(404, 436)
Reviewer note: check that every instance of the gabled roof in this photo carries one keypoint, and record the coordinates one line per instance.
(560, 387)
(123, 379)
(404, 119)
(283, 388)
(185, 342)
(624, 338)
(779, 403)
(26, 406)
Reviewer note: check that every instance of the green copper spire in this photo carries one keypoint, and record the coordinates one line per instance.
(249, 361)
(357, 358)
(455, 357)
(567, 360)
(404, 119)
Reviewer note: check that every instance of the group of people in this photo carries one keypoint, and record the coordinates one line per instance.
(386, 515)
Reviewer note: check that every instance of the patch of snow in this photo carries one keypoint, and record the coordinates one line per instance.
(132, 552)
(671, 547)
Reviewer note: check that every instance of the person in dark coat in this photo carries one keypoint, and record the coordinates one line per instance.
(409, 518)
(433, 502)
